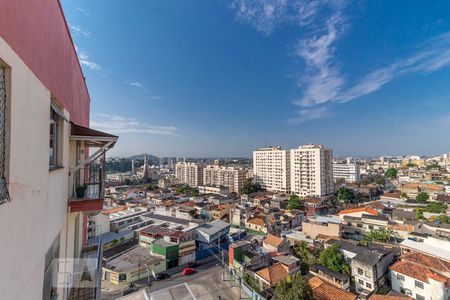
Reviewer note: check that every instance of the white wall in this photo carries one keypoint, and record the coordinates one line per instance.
(36, 213)
(431, 291)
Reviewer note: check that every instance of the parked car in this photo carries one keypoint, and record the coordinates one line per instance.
(188, 271)
(161, 276)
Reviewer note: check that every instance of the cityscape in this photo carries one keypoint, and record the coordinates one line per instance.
(214, 184)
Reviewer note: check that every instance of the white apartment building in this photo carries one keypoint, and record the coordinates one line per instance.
(348, 171)
(231, 177)
(311, 171)
(50, 179)
(189, 173)
(271, 167)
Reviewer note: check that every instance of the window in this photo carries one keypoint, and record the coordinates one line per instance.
(54, 138)
(418, 284)
(368, 285)
(361, 281)
(360, 271)
(400, 277)
(419, 297)
(4, 195)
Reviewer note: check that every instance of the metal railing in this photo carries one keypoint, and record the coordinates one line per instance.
(92, 184)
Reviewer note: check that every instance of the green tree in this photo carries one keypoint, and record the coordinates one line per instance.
(345, 195)
(391, 173)
(436, 207)
(293, 287)
(419, 213)
(379, 235)
(301, 250)
(294, 202)
(433, 166)
(250, 187)
(333, 259)
(380, 180)
(404, 196)
(422, 197)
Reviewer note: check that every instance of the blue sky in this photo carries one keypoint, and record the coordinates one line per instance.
(220, 78)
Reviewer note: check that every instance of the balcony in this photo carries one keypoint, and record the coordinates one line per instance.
(87, 171)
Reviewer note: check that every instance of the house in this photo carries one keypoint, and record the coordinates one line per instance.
(421, 276)
(429, 245)
(369, 265)
(322, 290)
(357, 212)
(291, 263)
(322, 225)
(211, 238)
(270, 276)
(315, 206)
(257, 223)
(337, 279)
(276, 244)
(415, 188)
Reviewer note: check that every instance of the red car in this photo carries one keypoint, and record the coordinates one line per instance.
(188, 271)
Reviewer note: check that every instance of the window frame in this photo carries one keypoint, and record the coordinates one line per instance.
(419, 284)
(56, 123)
(5, 151)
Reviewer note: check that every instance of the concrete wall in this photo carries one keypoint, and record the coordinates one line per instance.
(314, 229)
(38, 203)
(431, 291)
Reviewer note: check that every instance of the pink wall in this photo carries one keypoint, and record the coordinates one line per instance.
(38, 33)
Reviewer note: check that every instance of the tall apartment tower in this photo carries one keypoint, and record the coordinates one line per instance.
(231, 177)
(312, 171)
(189, 173)
(271, 169)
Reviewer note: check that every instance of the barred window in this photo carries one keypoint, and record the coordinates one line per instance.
(4, 195)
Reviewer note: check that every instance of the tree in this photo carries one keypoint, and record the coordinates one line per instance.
(422, 197)
(293, 287)
(333, 259)
(391, 173)
(294, 202)
(250, 187)
(379, 235)
(436, 207)
(433, 166)
(301, 250)
(345, 195)
(404, 196)
(380, 180)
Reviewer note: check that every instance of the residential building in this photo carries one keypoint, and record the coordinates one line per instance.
(211, 238)
(348, 171)
(325, 226)
(316, 205)
(218, 190)
(311, 171)
(189, 173)
(276, 244)
(271, 169)
(429, 245)
(231, 177)
(49, 184)
(270, 276)
(337, 279)
(357, 212)
(323, 290)
(421, 276)
(415, 188)
(369, 265)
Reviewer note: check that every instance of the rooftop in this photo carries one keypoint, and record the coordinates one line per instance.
(273, 274)
(333, 274)
(367, 210)
(131, 259)
(323, 290)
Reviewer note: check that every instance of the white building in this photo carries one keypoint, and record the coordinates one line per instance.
(271, 169)
(231, 177)
(421, 276)
(189, 173)
(50, 180)
(311, 171)
(348, 171)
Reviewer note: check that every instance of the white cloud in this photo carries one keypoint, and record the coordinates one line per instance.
(118, 124)
(141, 86)
(323, 23)
(84, 59)
(78, 31)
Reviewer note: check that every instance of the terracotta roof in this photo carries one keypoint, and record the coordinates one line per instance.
(389, 297)
(114, 210)
(359, 209)
(427, 186)
(377, 205)
(256, 221)
(396, 195)
(273, 274)
(418, 272)
(326, 291)
(427, 261)
(314, 200)
(273, 240)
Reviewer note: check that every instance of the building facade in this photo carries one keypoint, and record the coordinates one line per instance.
(271, 169)
(49, 185)
(312, 171)
(189, 173)
(350, 172)
(231, 177)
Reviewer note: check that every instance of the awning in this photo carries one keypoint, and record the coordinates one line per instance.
(92, 138)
